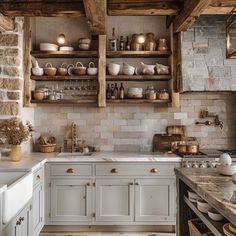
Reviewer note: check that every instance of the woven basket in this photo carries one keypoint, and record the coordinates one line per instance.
(198, 228)
(47, 148)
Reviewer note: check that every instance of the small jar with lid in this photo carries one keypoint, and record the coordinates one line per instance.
(150, 43)
(163, 95)
(162, 46)
(134, 44)
(38, 94)
(151, 93)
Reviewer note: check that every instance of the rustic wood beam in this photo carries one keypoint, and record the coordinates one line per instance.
(142, 8)
(220, 7)
(96, 14)
(6, 23)
(40, 8)
(191, 11)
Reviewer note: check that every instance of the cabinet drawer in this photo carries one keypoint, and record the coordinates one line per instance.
(71, 170)
(135, 169)
(38, 176)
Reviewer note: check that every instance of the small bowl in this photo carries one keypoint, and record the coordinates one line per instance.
(66, 48)
(193, 197)
(203, 206)
(49, 70)
(84, 46)
(48, 47)
(215, 215)
(113, 69)
(226, 170)
(92, 70)
(227, 230)
(232, 228)
(84, 41)
(37, 71)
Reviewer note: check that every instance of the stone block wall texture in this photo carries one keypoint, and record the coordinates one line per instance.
(11, 71)
(131, 128)
(204, 63)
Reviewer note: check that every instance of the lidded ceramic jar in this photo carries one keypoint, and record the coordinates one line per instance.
(151, 93)
(135, 45)
(162, 46)
(150, 43)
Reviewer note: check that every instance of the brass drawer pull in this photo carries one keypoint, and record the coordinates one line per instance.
(137, 184)
(130, 184)
(70, 171)
(154, 170)
(114, 171)
(38, 177)
(88, 184)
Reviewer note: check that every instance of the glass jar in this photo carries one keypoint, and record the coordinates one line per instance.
(150, 43)
(163, 95)
(134, 44)
(151, 93)
(162, 46)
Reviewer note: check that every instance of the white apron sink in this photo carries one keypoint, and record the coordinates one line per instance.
(19, 191)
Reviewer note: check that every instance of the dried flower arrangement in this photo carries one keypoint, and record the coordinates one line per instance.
(15, 132)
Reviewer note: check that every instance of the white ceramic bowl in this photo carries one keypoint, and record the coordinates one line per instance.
(225, 159)
(48, 47)
(193, 197)
(226, 170)
(92, 71)
(215, 215)
(65, 48)
(37, 71)
(84, 41)
(113, 69)
(128, 69)
(203, 206)
(84, 46)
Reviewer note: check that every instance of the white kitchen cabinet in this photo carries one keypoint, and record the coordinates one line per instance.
(154, 200)
(71, 200)
(114, 200)
(21, 225)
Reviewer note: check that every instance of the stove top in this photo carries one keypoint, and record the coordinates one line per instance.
(196, 155)
(231, 152)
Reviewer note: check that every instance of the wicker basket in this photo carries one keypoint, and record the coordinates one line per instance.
(198, 228)
(47, 148)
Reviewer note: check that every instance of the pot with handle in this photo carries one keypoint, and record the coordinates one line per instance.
(80, 69)
(92, 70)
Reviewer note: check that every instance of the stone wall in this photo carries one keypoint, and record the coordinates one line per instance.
(204, 63)
(131, 128)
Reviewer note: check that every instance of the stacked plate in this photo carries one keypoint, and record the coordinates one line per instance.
(229, 229)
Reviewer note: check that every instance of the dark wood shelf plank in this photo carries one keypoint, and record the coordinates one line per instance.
(137, 101)
(64, 54)
(138, 54)
(72, 101)
(215, 227)
(63, 78)
(138, 78)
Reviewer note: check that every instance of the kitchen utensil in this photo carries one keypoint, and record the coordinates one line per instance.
(162, 46)
(162, 69)
(80, 70)
(215, 215)
(70, 69)
(128, 69)
(192, 148)
(193, 197)
(92, 70)
(113, 69)
(135, 93)
(49, 70)
(62, 70)
(66, 48)
(226, 170)
(203, 206)
(176, 129)
(227, 230)
(148, 69)
(48, 47)
(225, 159)
(84, 41)
(38, 94)
(162, 142)
(150, 42)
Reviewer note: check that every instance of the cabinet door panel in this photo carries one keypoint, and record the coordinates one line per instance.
(154, 200)
(71, 200)
(115, 200)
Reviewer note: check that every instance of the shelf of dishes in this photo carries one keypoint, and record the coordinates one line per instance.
(67, 101)
(210, 217)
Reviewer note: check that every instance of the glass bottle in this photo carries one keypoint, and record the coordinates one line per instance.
(122, 43)
(113, 41)
(116, 93)
(112, 92)
(108, 92)
(127, 45)
(122, 92)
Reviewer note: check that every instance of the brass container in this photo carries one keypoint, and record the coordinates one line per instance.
(192, 148)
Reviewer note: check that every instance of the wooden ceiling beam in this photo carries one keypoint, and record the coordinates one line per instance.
(36, 8)
(220, 7)
(142, 8)
(191, 11)
(96, 14)
(6, 23)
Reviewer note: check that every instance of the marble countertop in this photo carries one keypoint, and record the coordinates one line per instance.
(216, 189)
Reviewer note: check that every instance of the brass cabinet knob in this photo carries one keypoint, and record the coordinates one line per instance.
(113, 171)
(136, 183)
(154, 170)
(38, 177)
(70, 171)
(21, 219)
(130, 184)
(88, 184)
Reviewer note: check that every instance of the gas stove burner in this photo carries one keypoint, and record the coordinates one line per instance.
(193, 155)
(229, 151)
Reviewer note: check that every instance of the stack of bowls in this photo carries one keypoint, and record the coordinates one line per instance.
(84, 43)
(135, 93)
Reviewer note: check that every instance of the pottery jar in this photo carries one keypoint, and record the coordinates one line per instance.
(135, 45)
(150, 43)
(39, 94)
(80, 69)
(162, 46)
(62, 70)
(49, 70)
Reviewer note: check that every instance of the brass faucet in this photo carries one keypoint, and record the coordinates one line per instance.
(73, 137)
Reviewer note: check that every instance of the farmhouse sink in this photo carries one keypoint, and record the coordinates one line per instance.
(19, 191)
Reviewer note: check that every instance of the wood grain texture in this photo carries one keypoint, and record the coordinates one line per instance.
(138, 54)
(102, 71)
(63, 78)
(191, 11)
(6, 23)
(96, 14)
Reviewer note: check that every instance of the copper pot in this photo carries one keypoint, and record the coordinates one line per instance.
(192, 148)
(182, 148)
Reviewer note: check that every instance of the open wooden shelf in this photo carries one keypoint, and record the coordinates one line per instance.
(138, 78)
(215, 227)
(138, 54)
(71, 101)
(64, 54)
(137, 101)
(63, 78)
